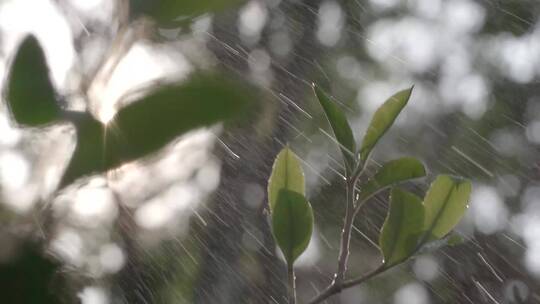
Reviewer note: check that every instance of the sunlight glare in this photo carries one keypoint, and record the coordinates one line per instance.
(93, 295)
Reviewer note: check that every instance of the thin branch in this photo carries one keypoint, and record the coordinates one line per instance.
(346, 235)
(363, 201)
(358, 172)
(292, 284)
(336, 288)
(364, 278)
(350, 214)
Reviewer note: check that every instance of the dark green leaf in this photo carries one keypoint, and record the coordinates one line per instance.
(30, 94)
(402, 228)
(382, 120)
(170, 13)
(145, 126)
(340, 127)
(445, 203)
(286, 174)
(393, 172)
(89, 155)
(27, 277)
(292, 224)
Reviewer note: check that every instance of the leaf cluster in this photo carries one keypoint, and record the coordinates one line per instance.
(137, 130)
(411, 222)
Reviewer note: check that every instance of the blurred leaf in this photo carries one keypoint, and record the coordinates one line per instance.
(171, 13)
(382, 120)
(402, 228)
(393, 172)
(145, 126)
(286, 174)
(89, 155)
(435, 244)
(455, 239)
(292, 224)
(27, 278)
(445, 203)
(30, 94)
(340, 127)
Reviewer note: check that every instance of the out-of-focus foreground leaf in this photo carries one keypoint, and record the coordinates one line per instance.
(27, 278)
(393, 172)
(382, 120)
(30, 93)
(452, 239)
(455, 239)
(146, 125)
(292, 224)
(340, 127)
(445, 204)
(286, 174)
(402, 228)
(170, 13)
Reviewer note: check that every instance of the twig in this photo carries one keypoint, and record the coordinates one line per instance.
(360, 280)
(350, 214)
(292, 284)
(353, 208)
(346, 235)
(336, 288)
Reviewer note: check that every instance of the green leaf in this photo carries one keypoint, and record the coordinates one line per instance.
(145, 126)
(340, 127)
(90, 154)
(171, 13)
(393, 172)
(21, 288)
(402, 228)
(30, 93)
(382, 120)
(455, 239)
(287, 174)
(292, 224)
(445, 204)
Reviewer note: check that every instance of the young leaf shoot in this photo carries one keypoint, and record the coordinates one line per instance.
(391, 173)
(287, 174)
(340, 127)
(382, 120)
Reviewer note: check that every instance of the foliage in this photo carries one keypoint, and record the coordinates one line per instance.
(139, 129)
(403, 226)
(173, 13)
(382, 120)
(145, 126)
(445, 203)
(340, 126)
(292, 223)
(391, 173)
(286, 174)
(28, 278)
(161, 115)
(411, 223)
(30, 93)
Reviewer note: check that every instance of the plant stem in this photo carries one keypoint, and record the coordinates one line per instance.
(346, 234)
(292, 284)
(336, 288)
